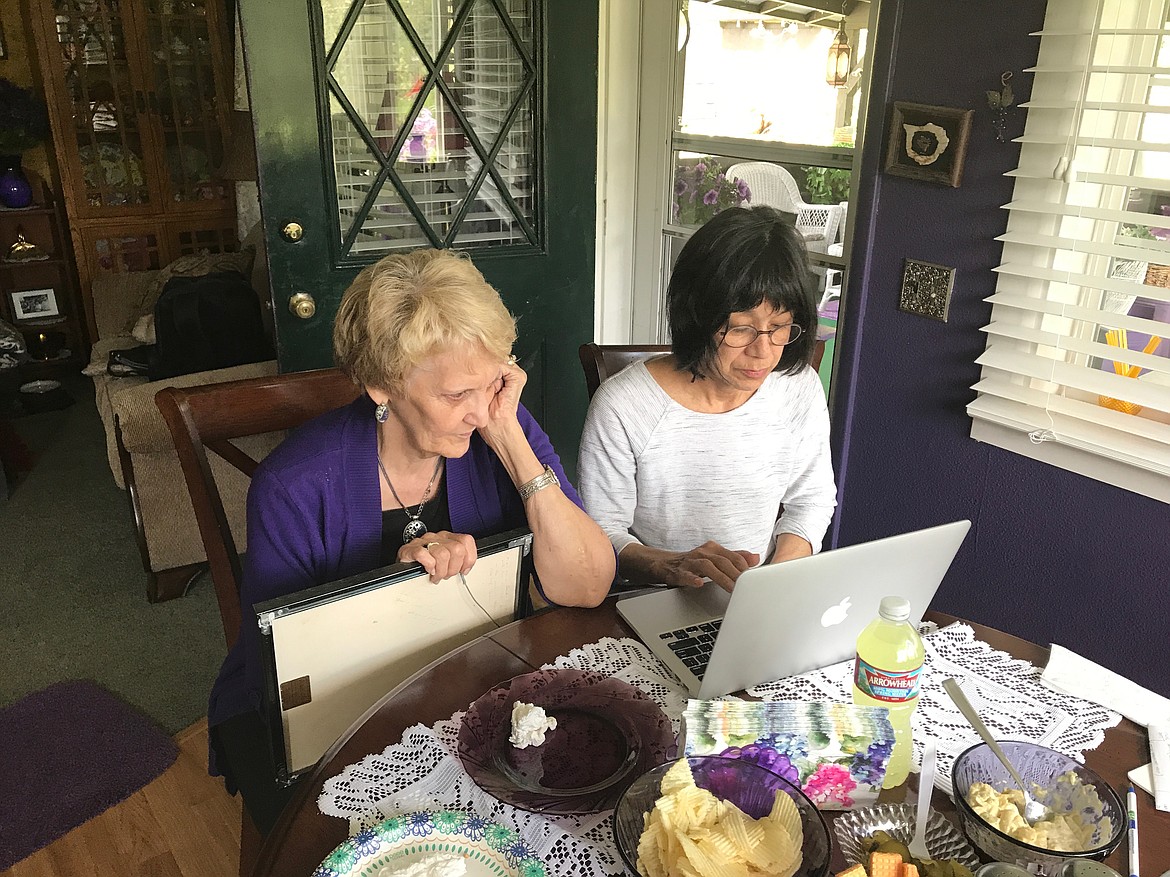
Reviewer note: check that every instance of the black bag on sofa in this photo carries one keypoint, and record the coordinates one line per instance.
(130, 361)
(207, 322)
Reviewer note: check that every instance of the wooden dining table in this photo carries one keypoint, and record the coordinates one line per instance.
(303, 836)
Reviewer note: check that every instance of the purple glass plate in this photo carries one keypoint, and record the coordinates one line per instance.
(607, 733)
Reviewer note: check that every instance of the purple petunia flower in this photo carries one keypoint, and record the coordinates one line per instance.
(711, 197)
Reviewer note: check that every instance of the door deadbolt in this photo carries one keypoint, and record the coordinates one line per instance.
(292, 231)
(302, 305)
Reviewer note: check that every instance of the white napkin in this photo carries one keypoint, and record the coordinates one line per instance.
(1069, 673)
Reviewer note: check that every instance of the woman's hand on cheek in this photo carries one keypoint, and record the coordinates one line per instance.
(441, 554)
(502, 406)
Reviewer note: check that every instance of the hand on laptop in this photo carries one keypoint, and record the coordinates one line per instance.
(441, 554)
(709, 562)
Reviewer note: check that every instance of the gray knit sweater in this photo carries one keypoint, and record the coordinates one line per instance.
(654, 472)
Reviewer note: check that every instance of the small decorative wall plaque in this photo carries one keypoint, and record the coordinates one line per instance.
(928, 143)
(926, 289)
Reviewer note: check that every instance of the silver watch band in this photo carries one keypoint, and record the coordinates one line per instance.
(547, 478)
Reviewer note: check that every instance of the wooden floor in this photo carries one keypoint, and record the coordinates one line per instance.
(181, 825)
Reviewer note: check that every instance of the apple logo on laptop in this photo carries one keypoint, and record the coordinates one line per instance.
(836, 614)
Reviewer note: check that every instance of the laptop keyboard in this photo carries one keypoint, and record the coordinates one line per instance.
(692, 645)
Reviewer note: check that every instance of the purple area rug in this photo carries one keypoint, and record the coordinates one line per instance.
(68, 753)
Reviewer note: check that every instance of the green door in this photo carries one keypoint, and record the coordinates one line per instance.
(384, 125)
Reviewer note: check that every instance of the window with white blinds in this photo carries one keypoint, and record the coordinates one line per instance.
(1077, 366)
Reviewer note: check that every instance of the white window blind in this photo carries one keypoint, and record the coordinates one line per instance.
(1076, 371)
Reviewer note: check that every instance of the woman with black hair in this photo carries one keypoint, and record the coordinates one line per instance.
(703, 462)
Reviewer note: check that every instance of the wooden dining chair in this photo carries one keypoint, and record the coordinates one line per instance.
(215, 417)
(211, 418)
(601, 361)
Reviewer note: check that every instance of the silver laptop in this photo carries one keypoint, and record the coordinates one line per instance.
(790, 617)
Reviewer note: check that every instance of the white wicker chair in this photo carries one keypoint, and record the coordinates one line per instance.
(833, 277)
(772, 185)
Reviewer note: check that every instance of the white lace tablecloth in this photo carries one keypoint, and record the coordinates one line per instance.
(423, 771)
(1006, 693)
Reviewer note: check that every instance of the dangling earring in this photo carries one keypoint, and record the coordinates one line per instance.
(382, 412)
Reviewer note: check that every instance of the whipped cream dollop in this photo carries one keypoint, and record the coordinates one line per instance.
(529, 725)
(431, 865)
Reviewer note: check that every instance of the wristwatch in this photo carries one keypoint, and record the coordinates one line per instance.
(547, 478)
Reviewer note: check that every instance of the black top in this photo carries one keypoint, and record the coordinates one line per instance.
(436, 514)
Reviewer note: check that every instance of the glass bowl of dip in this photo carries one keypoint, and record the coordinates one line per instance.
(1071, 790)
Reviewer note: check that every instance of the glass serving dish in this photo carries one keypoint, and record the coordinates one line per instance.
(943, 839)
(607, 733)
(1041, 766)
(748, 786)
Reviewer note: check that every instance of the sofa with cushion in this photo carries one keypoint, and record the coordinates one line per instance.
(138, 444)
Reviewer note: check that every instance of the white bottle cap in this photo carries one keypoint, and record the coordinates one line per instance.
(894, 608)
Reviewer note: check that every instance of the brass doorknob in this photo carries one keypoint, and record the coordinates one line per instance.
(302, 305)
(292, 231)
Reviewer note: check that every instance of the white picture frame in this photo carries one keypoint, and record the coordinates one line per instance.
(34, 304)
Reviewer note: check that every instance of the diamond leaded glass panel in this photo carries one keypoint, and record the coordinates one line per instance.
(431, 123)
(106, 120)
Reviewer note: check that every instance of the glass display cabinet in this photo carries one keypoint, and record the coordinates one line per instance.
(139, 95)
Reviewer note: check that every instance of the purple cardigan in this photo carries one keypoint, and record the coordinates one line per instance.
(315, 516)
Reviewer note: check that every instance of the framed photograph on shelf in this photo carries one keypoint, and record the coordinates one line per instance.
(928, 143)
(34, 304)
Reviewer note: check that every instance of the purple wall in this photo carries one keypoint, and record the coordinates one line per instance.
(1052, 556)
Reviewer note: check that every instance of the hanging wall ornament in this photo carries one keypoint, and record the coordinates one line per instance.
(1000, 103)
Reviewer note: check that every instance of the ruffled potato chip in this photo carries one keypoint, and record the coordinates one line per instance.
(691, 833)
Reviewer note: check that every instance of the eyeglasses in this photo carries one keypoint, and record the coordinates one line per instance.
(745, 336)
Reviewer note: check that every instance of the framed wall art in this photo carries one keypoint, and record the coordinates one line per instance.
(928, 143)
(34, 304)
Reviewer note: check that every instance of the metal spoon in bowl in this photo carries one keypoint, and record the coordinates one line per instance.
(1034, 811)
(917, 845)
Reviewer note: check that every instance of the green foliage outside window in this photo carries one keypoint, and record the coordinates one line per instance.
(827, 185)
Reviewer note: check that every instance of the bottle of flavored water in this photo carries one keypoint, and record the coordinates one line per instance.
(886, 673)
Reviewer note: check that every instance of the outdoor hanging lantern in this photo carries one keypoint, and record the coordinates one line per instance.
(838, 66)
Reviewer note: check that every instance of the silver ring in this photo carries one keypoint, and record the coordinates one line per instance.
(430, 545)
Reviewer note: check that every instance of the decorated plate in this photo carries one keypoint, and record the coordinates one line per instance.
(943, 840)
(488, 848)
(608, 732)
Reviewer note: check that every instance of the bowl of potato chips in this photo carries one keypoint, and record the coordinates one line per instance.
(719, 817)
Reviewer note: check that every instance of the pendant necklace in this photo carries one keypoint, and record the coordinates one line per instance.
(414, 527)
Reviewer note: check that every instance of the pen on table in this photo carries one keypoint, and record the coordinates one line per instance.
(1131, 812)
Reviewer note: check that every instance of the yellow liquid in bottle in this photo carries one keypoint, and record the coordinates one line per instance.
(889, 659)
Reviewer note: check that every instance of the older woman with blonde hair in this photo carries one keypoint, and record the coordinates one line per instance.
(435, 453)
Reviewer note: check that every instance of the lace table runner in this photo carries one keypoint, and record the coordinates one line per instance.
(1005, 691)
(423, 771)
